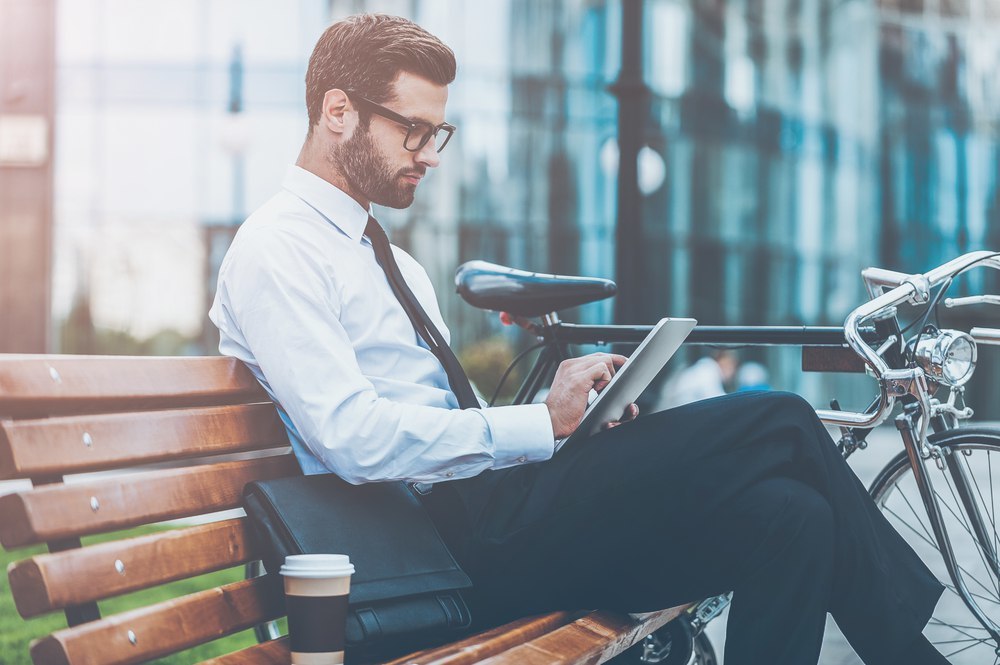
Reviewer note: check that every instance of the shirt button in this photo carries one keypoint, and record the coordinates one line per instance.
(450, 474)
(522, 459)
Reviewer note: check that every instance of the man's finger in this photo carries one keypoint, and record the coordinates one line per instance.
(598, 375)
(616, 359)
(608, 360)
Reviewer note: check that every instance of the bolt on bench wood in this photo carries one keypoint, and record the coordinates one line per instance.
(111, 443)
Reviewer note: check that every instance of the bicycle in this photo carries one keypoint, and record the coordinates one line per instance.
(944, 468)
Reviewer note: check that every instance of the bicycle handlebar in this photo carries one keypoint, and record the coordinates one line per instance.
(904, 288)
(986, 336)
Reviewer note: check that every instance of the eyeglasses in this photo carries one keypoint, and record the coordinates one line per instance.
(418, 133)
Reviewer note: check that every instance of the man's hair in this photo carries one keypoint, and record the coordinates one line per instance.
(365, 53)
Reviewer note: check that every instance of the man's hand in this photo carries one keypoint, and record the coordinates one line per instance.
(574, 379)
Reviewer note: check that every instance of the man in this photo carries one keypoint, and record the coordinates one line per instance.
(743, 493)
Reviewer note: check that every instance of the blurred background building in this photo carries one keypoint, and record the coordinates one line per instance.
(788, 144)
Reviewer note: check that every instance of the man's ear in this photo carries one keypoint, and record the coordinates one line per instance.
(337, 111)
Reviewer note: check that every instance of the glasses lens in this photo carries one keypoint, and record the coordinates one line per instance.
(418, 136)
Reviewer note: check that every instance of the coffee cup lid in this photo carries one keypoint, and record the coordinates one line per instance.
(317, 565)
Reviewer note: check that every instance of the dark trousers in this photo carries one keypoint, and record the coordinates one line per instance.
(743, 493)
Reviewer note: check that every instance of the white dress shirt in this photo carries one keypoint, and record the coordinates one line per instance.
(302, 301)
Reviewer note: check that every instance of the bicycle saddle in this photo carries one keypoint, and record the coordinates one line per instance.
(491, 286)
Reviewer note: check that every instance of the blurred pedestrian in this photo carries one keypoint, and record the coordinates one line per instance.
(708, 377)
(752, 376)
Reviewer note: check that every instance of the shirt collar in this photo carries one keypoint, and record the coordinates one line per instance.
(328, 200)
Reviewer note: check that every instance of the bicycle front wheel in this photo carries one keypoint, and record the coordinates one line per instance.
(953, 629)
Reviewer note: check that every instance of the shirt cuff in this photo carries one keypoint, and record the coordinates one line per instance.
(521, 434)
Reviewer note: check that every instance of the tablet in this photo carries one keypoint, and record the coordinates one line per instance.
(632, 378)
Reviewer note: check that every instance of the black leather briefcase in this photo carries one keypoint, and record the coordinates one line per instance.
(406, 589)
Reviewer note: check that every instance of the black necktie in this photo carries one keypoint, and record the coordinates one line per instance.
(421, 322)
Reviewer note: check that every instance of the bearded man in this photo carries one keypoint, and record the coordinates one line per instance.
(745, 493)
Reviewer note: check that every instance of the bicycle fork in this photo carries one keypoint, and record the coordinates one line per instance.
(906, 423)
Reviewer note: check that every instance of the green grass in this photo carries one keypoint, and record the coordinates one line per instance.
(16, 633)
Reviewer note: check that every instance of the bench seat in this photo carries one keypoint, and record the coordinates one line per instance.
(114, 443)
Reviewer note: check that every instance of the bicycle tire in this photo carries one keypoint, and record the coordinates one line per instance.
(952, 629)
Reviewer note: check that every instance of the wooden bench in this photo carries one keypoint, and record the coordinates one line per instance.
(111, 443)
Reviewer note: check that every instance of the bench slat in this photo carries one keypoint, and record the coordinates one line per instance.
(163, 628)
(467, 651)
(33, 385)
(476, 648)
(52, 581)
(76, 509)
(75, 444)
(594, 638)
(274, 652)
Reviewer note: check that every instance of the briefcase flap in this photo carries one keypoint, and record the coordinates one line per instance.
(393, 544)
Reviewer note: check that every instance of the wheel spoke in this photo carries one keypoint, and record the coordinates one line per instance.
(969, 636)
(909, 526)
(913, 510)
(938, 622)
(964, 630)
(960, 518)
(949, 655)
(973, 593)
(969, 639)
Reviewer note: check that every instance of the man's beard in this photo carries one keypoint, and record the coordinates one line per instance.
(368, 175)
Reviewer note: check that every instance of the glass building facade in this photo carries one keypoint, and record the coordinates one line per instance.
(788, 145)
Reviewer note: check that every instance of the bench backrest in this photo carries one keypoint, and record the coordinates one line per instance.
(111, 443)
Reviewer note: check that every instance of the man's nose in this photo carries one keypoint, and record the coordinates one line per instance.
(428, 155)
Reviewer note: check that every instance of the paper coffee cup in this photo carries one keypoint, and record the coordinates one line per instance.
(316, 592)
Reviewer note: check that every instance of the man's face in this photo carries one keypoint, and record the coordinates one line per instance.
(373, 160)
